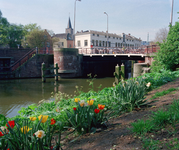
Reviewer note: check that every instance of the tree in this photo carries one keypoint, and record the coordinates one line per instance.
(161, 35)
(37, 38)
(4, 24)
(168, 55)
(15, 34)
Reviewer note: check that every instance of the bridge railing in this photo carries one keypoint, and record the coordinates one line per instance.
(152, 48)
(111, 51)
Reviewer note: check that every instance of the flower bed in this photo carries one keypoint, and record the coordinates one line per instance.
(84, 113)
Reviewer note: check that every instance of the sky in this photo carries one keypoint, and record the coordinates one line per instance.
(137, 17)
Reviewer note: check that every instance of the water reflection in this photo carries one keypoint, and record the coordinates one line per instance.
(15, 94)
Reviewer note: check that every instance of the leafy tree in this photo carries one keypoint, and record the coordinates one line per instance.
(37, 38)
(15, 34)
(27, 30)
(168, 55)
(4, 24)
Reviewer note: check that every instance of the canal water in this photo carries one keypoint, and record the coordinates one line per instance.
(18, 93)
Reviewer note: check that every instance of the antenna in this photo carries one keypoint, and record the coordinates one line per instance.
(148, 38)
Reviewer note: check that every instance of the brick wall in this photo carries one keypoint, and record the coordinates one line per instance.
(16, 54)
(32, 68)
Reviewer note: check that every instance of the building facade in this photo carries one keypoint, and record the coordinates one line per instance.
(94, 39)
(66, 39)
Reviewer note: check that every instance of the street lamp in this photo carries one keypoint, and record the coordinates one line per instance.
(107, 28)
(74, 22)
(171, 14)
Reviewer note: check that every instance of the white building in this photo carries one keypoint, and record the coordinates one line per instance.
(94, 39)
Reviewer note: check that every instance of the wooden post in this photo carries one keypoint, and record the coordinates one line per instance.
(122, 72)
(117, 75)
(56, 72)
(132, 68)
(43, 72)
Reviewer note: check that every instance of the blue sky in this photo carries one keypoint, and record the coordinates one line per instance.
(137, 17)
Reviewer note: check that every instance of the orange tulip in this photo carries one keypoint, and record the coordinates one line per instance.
(101, 107)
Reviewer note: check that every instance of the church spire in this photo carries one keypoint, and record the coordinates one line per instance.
(69, 24)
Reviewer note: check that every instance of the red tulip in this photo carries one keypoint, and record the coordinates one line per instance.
(1, 134)
(11, 123)
(96, 111)
(53, 121)
(74, 108)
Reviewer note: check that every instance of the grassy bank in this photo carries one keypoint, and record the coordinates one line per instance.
(83, 113)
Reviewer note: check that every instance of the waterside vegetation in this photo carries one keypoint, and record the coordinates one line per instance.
(36, 125)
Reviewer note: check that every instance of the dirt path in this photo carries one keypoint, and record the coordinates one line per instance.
(117, 136)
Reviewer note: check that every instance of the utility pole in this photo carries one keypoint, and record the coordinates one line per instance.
(172, 13)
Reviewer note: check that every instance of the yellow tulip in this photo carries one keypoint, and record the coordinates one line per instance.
(77, 100)
(90, 102)
(25, 129)
(44, 118)
(33, 118)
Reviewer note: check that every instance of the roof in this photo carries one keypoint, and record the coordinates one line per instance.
(69, 24)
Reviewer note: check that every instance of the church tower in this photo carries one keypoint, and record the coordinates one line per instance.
(69, 27)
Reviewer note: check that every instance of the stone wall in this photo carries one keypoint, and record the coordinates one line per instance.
(15, 54)
(69, 62)
(32, 68)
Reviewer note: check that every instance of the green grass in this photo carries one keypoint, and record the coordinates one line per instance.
(155, 123)
(159, 94)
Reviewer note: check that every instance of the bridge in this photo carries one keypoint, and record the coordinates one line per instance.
(105, 57)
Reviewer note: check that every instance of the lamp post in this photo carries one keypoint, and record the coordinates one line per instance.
(171, 14)
(74, 22)
(107, 28)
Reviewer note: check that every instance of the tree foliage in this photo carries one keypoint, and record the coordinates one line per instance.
(38, 38)
(15, 34)
(4, 24)
(28, 36)
(168, 55)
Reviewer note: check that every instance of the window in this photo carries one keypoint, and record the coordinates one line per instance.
(116, 44)
(109, 44)
(93, 34)
(99, 43)
(103, 43)
(48, 44)
(62, 44)
(117, 38)
(93, 42)
(86, 42)
(98, 35)
(96, 42)
(108, 36)
(105, 36)
(113, 37)
(79, 44)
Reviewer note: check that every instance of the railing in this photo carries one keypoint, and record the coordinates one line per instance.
(111, 51)
(152, 48)
(22, 60)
